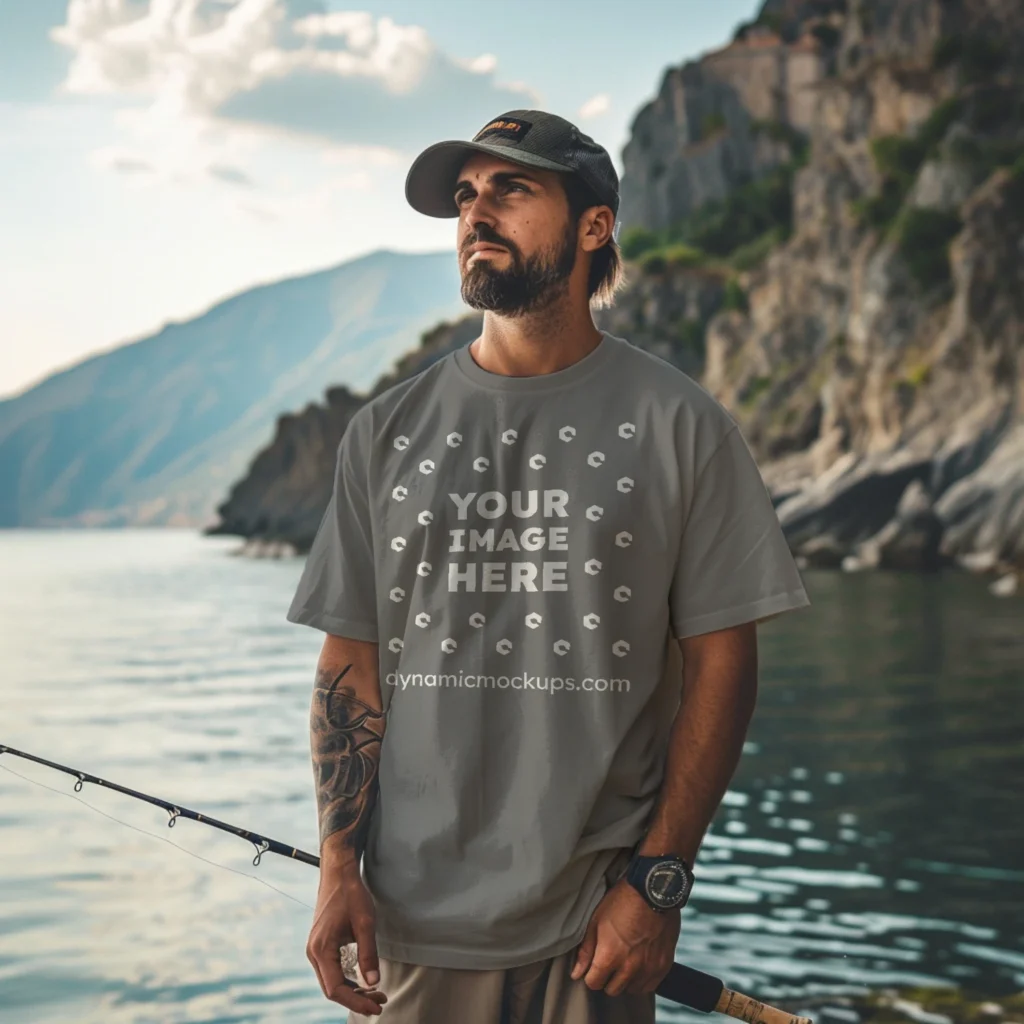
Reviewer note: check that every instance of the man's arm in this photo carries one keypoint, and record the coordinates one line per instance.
(718, 697)
(627, 947)
(346, 727)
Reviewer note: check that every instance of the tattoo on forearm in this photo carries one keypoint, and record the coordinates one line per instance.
(345, 739)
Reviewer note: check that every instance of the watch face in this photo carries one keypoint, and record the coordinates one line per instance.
(667, 885)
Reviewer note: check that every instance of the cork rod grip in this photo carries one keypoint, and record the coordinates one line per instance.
(735, 1004)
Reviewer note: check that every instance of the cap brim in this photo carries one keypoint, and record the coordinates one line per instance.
(430, 183)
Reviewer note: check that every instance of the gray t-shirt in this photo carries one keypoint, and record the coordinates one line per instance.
(524, 550)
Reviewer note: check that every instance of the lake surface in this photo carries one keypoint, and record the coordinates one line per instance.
(873, 835)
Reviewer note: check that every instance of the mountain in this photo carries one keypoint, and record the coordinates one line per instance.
(155, 431)
(280, 501)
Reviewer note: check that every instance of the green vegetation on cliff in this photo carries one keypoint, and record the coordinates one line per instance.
(977, 56)
(923, 234)
(734, 233)
(898, 159)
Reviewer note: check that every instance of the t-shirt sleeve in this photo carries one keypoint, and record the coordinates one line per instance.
(337, 590)
(734, 563)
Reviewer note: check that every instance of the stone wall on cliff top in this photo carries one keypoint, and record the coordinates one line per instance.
(697, 139)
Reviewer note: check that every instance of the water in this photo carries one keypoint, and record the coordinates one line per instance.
(872, 837)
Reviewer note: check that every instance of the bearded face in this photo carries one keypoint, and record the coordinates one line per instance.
(526, 283)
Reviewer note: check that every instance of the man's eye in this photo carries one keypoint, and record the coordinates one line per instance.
(461, 197)
(515, 184)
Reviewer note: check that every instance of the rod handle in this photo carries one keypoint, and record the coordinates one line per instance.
(735, 1004)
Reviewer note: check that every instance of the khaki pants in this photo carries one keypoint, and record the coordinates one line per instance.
(537, 993)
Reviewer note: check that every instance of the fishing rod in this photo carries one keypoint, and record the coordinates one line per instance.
(682, 984)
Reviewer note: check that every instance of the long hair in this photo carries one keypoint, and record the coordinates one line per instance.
(606, 269)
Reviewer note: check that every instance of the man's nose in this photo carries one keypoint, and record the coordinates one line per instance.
(479, 211)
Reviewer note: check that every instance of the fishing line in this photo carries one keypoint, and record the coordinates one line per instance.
(682, 984)
(164, 839)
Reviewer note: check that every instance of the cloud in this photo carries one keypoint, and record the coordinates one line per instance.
(231, 175)
(122, 161)
(595, 106)
(187, 150)
(130, 165)
(365, 156)
(320, 204)
(343, 76)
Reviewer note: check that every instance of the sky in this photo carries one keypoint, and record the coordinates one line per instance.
(160, 155)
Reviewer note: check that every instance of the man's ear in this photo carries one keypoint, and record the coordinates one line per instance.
(598, 224)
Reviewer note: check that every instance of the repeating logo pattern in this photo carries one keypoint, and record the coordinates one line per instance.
(591, 621)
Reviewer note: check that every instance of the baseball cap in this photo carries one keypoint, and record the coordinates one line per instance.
(533, 138)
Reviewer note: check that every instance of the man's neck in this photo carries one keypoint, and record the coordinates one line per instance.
(536, 343)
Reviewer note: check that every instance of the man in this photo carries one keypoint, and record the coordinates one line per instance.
(522, 541)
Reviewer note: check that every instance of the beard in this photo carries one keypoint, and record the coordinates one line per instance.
(528, 284)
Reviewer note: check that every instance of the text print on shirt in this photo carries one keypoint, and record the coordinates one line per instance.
(581, 545)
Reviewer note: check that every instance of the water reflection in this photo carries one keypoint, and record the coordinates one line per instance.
(872, 836)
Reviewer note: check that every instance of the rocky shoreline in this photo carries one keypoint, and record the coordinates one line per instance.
(863, 512)
(910, 1006)
(278, 505)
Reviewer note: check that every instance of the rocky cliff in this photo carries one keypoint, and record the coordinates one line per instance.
(877, 366)
(867, 334)
(708, 129)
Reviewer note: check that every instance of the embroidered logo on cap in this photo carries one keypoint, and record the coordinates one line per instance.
(506, 128)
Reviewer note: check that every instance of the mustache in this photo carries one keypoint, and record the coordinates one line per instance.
(485, 234)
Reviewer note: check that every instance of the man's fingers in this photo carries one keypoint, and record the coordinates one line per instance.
(585, 953)
(339, 991)
(642, 983)
(315, 955)
(332, 978)
(365, 930)
(620, 979)
(326, 963)
(360, 1000)
(316, 970)
(648, 980)
(601, 968)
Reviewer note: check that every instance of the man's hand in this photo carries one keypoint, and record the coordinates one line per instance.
(345, 913)
(628, 946)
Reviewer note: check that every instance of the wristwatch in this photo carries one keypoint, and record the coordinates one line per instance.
(664, 882)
